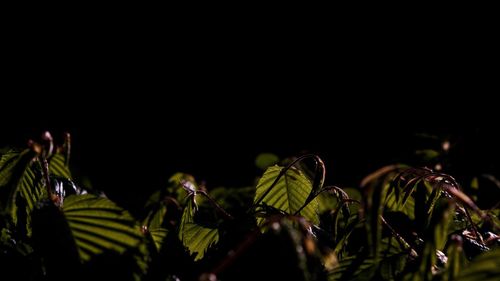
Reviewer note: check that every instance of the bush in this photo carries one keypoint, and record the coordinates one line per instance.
(402, 223)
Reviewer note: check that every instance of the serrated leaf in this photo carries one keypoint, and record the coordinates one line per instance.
(58, 165)
(31, 190)
(288, 194)
(158, 235)
(13, 165)
(156, 216)
(154, 224)
(21, 188)
(196, 238)
(98, 225)
(21, 176)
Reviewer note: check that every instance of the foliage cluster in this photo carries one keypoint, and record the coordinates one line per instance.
(400, 223)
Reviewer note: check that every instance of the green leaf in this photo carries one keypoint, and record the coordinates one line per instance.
(154, 224)
(375, 188)
(21, 184)
(158, 235)
(327, 202)
(374, 208)
(342, 237)
(330, 199)
(21, 187)
(392, 204)
(98, 225)
(12, 170)
(265, 160)
(58, 165)
(195, 237)
(198, 239)
(31, 190)
(156, 216)
(435, 236)
(485, 267)
(288, 193)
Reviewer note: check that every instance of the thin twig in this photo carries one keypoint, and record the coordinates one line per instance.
(401, 240)
(233, 255)
(216, 205)
(67, 148)
(45, 170)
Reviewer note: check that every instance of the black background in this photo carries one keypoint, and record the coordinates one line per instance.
(140, 108)
(131, 151)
